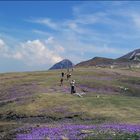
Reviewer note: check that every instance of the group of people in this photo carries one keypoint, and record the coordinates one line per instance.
(72, 83)
(68, 75)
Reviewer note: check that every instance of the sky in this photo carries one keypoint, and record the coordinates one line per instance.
(35, 35)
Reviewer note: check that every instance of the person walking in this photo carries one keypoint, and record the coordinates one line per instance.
(61, 82)
(62, 74)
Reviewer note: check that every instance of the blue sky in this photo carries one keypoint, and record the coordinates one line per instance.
(36, 35)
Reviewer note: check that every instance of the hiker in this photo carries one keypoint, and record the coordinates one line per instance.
(68, 76)
(61, 82)
(72, 83)
(62, 74)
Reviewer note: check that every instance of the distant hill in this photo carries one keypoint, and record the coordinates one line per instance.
(62, 65)
(95, 61)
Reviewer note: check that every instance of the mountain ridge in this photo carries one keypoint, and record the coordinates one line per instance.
(95, 61)
(131, 58)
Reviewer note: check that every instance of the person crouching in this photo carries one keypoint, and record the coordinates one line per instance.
(72, 83)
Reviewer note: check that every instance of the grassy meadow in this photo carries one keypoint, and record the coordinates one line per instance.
(36, 100)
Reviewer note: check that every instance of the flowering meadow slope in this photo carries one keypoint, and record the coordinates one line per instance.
(34, 105)
(108, 131)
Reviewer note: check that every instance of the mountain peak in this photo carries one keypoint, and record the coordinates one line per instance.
(65, 63)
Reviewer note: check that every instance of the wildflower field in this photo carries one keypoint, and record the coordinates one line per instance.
(33, 105)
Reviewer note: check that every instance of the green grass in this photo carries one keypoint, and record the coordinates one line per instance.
(118, 108)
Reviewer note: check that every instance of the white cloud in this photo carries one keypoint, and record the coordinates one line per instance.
(72, 25)
(107, 50)
(17, 55)
(3, 48)
(54, 45)
(136, 20)
(2, 44)
(47, 22)
(33, 53)
(39, 32)
(90, 18)
(59, 48)
(50, 40)
(36, 52)
(85, 48)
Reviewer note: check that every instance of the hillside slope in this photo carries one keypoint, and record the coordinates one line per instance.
(35, 100)
(95, 61)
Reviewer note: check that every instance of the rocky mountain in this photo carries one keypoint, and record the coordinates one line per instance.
(96, 61)
(62, 65)
(131, 59)
(134, 55)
